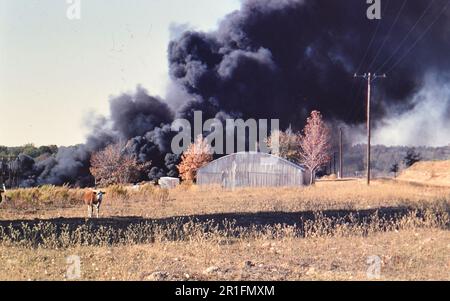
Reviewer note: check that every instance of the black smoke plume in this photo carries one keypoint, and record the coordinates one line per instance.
(138, 120)
(282, 59)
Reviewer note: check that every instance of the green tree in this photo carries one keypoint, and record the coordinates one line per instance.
(30, 150)
(394, 169)
(411, 158)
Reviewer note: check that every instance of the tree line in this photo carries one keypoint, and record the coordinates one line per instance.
(312, 148)
(29, 149)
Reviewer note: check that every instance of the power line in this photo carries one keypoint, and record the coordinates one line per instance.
(405, 54)
(354, 108)
(366, 52)
(355, 104)
(407, 36)
(371, 41)
(388, 34)
(370, 78)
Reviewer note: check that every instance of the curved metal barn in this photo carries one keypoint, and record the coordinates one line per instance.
(251, 169)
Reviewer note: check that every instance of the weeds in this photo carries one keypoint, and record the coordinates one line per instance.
(322, 232)
(50, 196)
(48, 235)
(422, 208)
(41, 197)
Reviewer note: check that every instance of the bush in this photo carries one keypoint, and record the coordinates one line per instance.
(47, 195)
(195, 157)
(117, 192)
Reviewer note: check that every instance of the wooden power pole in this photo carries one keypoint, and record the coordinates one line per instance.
(334, 163)
(370, 78)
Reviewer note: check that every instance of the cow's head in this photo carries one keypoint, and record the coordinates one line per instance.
(99, 195)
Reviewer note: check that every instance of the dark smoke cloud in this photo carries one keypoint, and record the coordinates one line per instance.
(137, 119)
(22, 170)
(136, 115)
(69, 166)
(273, 59)
(282, 59)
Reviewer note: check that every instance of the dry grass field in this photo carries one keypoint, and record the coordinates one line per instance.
(428, 172)
(336, 230)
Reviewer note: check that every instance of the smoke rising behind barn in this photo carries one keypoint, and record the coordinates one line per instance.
(271, 60)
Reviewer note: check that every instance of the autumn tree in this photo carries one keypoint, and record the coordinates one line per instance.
(315, 144)
(285, 145)
(195, 157)
(116, 165)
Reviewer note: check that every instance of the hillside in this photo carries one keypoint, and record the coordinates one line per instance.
(383, 157)
(428, 172)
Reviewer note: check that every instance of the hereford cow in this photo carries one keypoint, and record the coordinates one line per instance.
(93, 199)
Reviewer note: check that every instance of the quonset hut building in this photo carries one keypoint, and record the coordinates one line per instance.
(252, 169)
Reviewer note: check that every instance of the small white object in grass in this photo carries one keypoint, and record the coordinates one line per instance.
(210, 270)
(168, 183)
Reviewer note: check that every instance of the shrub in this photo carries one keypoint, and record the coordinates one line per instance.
(194, 158)
(118, 192)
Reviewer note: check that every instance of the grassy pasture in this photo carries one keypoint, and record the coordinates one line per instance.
(325, 232)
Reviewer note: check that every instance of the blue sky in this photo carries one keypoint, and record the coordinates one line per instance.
(54, 71)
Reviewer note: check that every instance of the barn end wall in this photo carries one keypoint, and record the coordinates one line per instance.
(251, 170)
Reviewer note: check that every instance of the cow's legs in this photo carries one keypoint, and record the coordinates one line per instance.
(97, 207)
(90, 209)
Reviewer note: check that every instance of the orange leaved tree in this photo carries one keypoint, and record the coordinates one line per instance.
(195, 157)
(315, 144)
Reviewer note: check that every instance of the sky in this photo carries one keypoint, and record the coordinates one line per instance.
(55, 72)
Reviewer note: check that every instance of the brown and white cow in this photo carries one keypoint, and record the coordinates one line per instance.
(93, 199)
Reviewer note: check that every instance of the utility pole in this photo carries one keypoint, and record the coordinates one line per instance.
(334, 163)
(370, 78)
(341, 164)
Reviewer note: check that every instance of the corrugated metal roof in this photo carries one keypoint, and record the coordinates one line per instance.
(251, 169)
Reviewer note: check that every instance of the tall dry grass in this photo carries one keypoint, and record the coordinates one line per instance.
(407, 226)
(50, 196)
(41, 197)
(48, 235)
(189, 200)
